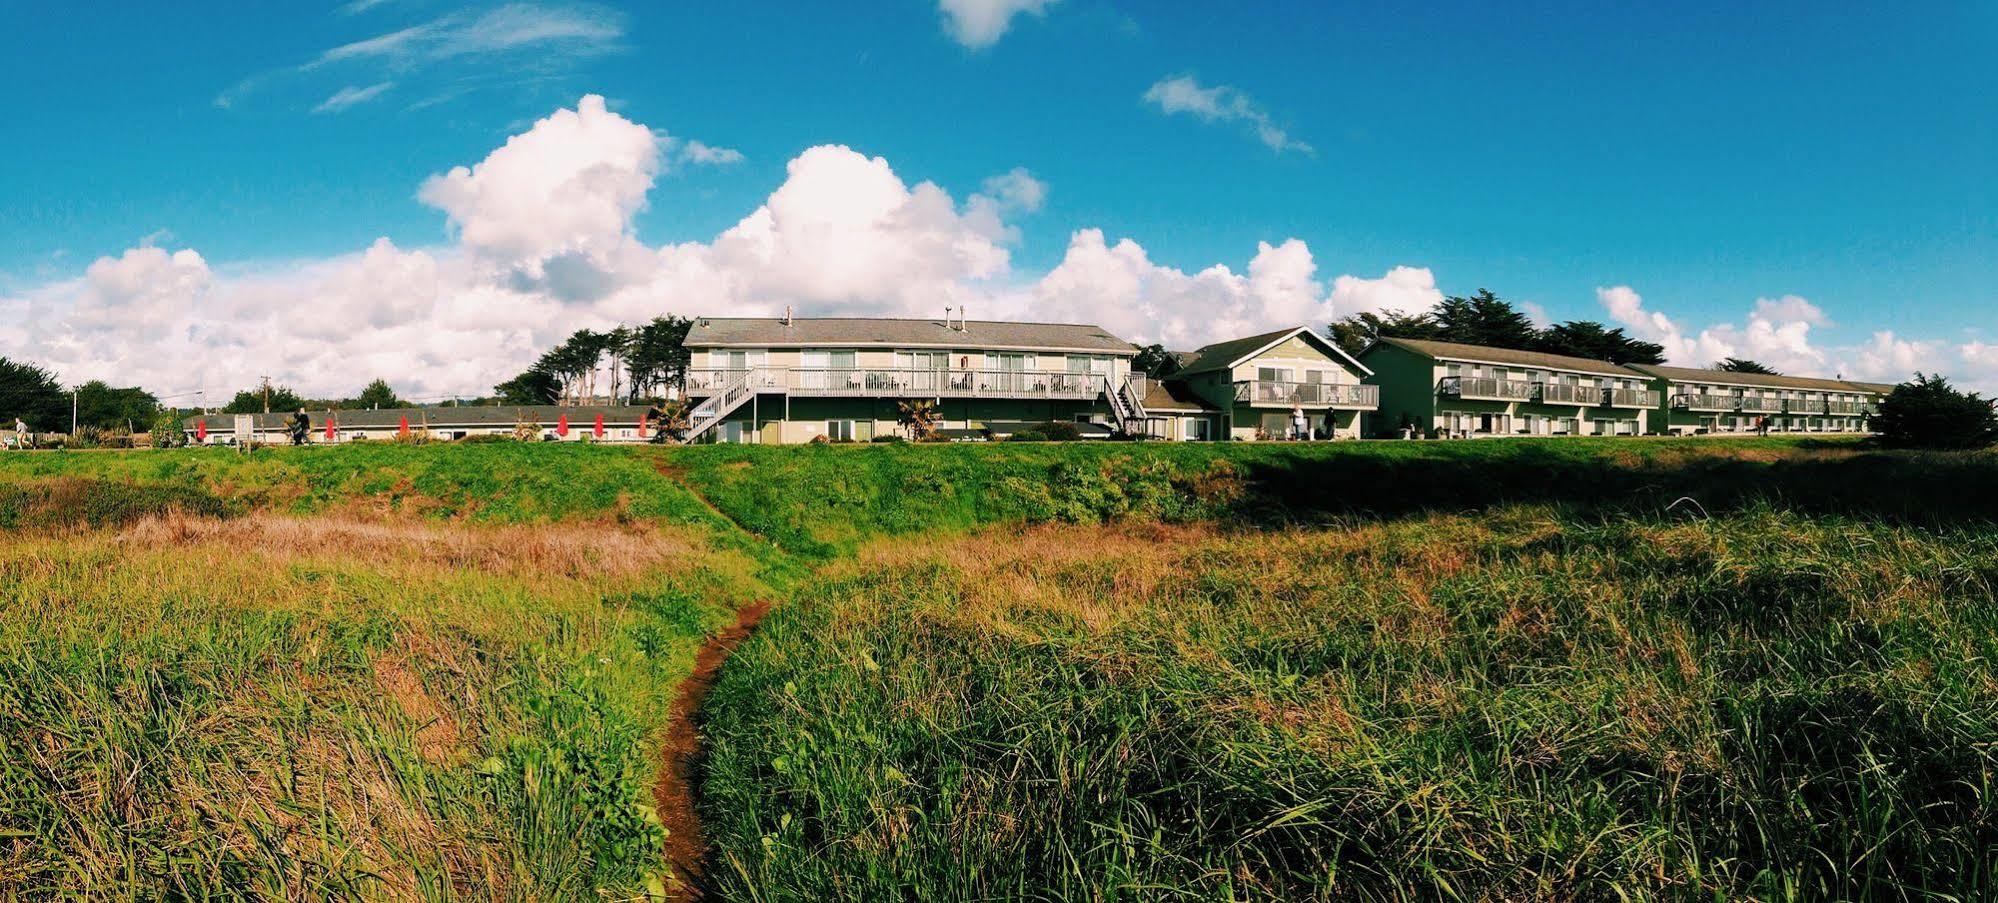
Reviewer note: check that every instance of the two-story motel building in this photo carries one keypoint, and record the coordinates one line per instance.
(794, 379)
(1451, 390)
(1712, 401)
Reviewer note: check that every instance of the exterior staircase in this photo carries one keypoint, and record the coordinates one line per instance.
(731, 393)
(1127, 403)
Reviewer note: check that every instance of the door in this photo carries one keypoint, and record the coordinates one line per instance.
(924, 371)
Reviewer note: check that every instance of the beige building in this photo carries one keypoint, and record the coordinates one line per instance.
(793, 380)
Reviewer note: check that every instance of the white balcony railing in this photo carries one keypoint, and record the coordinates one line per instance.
(890, 382)
(1285, 394)
(1697, 402)
(1485, 387)
(1630, 398)
(1563, 393)
(1845, 408)
(1806, 406)
(1761, 405)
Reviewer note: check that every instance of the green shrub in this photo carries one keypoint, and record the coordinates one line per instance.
(1059, 431)
(1028, 435)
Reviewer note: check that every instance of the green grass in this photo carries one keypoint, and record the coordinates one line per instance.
(380, 673)
(1490, 670)
(1516, 705)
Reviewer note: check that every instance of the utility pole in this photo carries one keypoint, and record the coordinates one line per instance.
(267, 394)
(72, 413)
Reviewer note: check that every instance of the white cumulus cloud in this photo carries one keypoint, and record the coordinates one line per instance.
(980, 23)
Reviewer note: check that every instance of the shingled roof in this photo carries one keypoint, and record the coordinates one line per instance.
(1758, 380)
(1510, 357)
(1224, 355)
(724, 332)
(1173, 395)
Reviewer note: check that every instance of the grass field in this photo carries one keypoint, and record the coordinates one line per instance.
(1513, 705)
(1570, 669)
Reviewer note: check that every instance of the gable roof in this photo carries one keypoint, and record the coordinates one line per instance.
(1508, 357)
(1225, 355)
(1173, 395)
(1758, 380)
(763, 332)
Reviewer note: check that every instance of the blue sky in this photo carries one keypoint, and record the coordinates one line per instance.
(1703, 155)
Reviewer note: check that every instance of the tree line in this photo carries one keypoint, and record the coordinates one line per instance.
(1480, 319)
(626, 363)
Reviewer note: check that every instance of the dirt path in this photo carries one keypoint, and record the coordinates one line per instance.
(679, 770)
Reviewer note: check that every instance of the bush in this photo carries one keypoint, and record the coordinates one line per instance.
(166, 431)
(1929, 413)
(887, 440)
(1059, 431)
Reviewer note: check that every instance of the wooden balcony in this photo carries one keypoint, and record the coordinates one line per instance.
(874, 382)
(1274, 394)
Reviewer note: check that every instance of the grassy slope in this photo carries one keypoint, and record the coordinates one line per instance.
(400, 696)
(825, 502)
(1572, 702)
(561, 670)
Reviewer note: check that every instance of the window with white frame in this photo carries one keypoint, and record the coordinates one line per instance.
(840, 430)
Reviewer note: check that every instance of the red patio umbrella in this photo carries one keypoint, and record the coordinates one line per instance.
(562, 426)
(201, 431)
(402, 425)
(331, 430)
(641, 424)
(598, 428)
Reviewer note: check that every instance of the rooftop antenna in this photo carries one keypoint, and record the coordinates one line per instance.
(787, 314)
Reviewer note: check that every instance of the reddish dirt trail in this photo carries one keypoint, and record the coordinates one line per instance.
(673, 795)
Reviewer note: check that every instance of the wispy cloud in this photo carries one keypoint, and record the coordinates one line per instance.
(702, 154)
(358, 7)
(351, 96)
(1222, 103)
(534, 39)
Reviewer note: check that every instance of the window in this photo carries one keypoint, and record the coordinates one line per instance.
(1196, 428)
(1088, 363)
(839, 430)
(1273, 374)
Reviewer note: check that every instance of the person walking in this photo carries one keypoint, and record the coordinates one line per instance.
(301, 426)
(20, 434)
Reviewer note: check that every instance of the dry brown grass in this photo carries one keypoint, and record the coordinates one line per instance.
(564, 549)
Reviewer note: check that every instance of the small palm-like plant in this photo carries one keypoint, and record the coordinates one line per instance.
(671, 418)
(919, 417)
